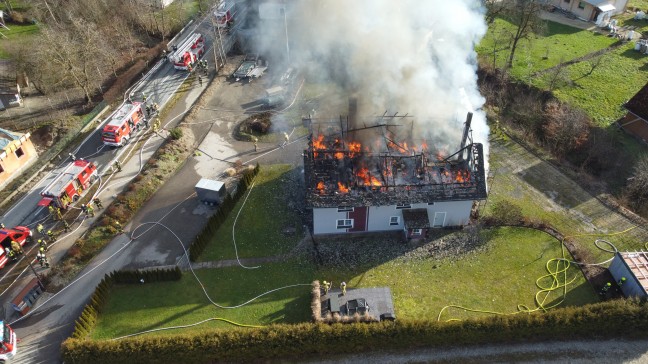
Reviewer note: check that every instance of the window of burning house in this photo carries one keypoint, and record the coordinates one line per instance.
(345, 209)
(403, 206)
(394, 220)
(345, 223)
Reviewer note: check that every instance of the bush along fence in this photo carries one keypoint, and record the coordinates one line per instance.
(611, 319)
(214, 223)
(88, 318)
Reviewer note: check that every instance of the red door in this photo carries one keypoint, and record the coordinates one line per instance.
(359, 216)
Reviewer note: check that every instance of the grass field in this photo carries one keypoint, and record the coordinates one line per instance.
(620, 75)
(259, 228)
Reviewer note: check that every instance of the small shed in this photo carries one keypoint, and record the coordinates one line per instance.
(211, 192)
(416, 223)
(634, 267)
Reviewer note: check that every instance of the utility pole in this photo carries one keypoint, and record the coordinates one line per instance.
(40, 283)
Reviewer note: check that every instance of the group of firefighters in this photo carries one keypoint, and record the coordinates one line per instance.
(327, 287)
(608, 285)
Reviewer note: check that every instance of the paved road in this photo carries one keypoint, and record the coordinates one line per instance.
(42, 331)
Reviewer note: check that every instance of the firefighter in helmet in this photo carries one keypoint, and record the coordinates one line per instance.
(40, 229)
(11, 254)
(15, 246)
(42, 243)
(42, 258)
(50, 236)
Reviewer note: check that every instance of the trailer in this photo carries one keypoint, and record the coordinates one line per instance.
(69, 185)
(122, 123)
(252, 67)
(188, 52)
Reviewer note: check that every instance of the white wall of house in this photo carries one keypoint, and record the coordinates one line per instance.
(449, 213)
(584, 10)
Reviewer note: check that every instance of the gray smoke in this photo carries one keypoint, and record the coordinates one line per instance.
(406, 56)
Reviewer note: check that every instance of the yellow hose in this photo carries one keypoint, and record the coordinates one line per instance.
(556, 268)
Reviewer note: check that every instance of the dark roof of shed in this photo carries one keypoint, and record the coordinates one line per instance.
(638, 104)
(416, 218)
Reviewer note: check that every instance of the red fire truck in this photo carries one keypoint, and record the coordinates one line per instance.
(223, 14)
(122, 123)
(9, 343)
(70, 184)
(20, 234)
(188, 52)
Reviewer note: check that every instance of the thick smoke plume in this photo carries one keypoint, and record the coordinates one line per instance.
(405, 56)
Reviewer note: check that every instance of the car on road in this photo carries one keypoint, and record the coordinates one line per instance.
(20, 234)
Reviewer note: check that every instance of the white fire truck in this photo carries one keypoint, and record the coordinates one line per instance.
(223, 16)
(70, 184)
(9, 343)
(188, 52)
(122, 124)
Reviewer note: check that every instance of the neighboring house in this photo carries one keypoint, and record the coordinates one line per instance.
(598, 11)
(353, 188)
(17, 153)
(635, 122)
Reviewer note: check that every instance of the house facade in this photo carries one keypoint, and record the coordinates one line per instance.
(598, 11)
(414, 219)
(635, 122)
(17, 153)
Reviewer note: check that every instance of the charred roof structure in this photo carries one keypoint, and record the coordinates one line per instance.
(381, 164)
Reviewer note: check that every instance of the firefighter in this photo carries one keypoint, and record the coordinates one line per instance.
(148, 110)
(164, 54)
(72, 156)
(50, 236)
(15, 246)
(51, 211)
(146, 122)
(84, 209)
(59, 216)
(119, 227)
(343, 288)
(326, 286)
(200, 80)
(118, 166)
(11, 254)
(605, 289)
(621, 281)
(189, 68)
(42, 258)
(255, 140)
(286, 139)
(2, 226)
(40, 229)
(144, 97)
(97, 202)
(42, 244)
(155, 107)
(66, 226)
(89, 210)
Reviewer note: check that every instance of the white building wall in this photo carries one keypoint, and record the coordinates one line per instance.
(457, 213)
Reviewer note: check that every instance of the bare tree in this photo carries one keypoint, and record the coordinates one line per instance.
(494, 9)
(636, 190)
(558, 76)
(525, 15)
(566, 128)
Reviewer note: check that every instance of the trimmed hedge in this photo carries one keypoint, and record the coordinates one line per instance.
(88, 318)
(620, 318)
(214, 223)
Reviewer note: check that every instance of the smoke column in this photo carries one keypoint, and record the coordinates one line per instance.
(406, 56)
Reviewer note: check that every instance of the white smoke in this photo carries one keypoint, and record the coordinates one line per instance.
(406, 56)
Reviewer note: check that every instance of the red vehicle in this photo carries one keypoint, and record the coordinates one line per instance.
(70, 184)
(9, 343)
(223, 14)
(20, 234)
(122, 123)
(188, 52)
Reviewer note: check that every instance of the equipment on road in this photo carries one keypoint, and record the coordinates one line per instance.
(69, 185)
(19, 234)
(188, 52)
(122, 123)
(9, 342)
(210, 192)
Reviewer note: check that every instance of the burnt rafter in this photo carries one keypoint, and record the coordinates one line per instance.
(385, 172)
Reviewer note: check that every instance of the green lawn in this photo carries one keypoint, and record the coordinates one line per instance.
(14, 34)
(260, 226)
(620, 75)
(498, 277)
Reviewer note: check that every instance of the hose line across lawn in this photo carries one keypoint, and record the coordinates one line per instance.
(556, 268)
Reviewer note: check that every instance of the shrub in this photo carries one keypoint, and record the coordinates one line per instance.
(176, 133)
(505, 212)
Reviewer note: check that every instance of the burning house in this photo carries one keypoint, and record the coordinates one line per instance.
(379, 178)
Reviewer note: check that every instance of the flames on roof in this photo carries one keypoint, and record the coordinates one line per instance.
(381, 165)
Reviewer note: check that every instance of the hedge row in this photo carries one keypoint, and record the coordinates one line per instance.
(88, 318)
(611, 319)
(204, 237)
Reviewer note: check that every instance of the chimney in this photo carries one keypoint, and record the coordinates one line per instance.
(464, 138)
